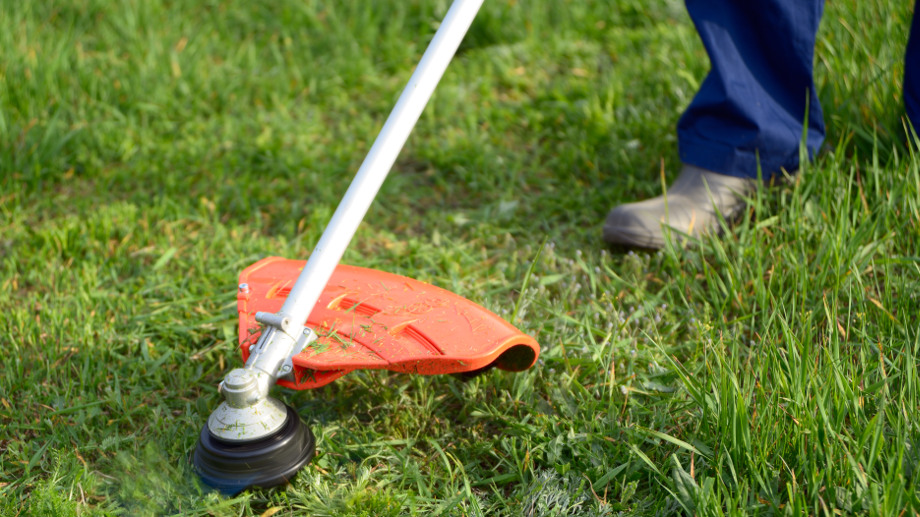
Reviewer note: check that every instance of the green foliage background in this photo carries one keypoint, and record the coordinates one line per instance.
(150, 150)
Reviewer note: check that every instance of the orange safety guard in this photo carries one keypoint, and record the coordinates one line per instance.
(368, 319)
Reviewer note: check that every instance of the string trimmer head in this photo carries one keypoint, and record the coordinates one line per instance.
(364, 320)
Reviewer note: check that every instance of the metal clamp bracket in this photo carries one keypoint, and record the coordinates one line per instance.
(273, 353)
(287, 367)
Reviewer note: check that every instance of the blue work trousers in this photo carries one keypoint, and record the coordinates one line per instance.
(752, 108)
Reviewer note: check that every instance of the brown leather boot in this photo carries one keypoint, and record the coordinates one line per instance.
(693, 201)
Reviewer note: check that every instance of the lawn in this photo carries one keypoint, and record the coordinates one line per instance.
(150, 150)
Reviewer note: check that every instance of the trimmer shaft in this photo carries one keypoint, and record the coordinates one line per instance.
(245, 442)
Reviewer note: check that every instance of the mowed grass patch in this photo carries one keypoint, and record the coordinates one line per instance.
(149, 151)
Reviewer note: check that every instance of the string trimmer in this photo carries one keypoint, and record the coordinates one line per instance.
(304, 324)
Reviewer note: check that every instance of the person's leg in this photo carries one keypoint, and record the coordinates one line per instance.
(912, 71)
(749, 115)
(752, 106)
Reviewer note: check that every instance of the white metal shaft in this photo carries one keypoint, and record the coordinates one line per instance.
(351, 210)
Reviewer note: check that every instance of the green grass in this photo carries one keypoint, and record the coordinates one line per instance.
(150, 150)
